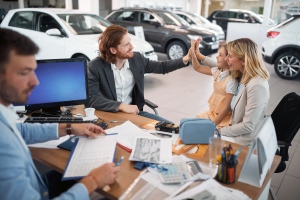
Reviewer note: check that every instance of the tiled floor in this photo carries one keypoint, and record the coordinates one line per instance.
(184, 93)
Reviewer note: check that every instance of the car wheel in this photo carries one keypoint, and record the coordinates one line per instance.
(157, 128)
(173, 131)
(176, 49)
(287, 65)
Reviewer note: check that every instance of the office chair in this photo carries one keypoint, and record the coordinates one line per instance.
(286, 119)
(152, 105)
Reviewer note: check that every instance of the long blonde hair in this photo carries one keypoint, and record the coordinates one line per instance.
(246, 49)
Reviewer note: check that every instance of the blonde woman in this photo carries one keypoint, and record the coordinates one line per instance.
(225, 84)
(249, 104)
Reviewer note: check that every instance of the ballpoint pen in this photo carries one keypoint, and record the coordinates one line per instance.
(120, 160)
(115, 121)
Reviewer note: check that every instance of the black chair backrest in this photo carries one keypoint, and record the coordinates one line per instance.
(286, 117)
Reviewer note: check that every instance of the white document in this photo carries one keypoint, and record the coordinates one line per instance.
(127, 132)
(162, 134)
(89, 154)
(226, 138)
(211, 189)
(153, 150)
(52, 144)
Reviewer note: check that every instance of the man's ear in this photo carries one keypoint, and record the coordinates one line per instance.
(113, 50)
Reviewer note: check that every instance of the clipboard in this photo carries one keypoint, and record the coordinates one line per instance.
(84, 154)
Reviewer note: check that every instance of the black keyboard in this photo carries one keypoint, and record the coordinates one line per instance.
(43, 120)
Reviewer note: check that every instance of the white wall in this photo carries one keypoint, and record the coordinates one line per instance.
(89, 5)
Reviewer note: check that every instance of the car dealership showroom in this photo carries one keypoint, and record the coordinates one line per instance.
(160, 31)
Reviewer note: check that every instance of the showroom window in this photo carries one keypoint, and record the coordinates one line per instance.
(22, 20)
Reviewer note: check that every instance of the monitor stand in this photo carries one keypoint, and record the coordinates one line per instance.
(51, 112)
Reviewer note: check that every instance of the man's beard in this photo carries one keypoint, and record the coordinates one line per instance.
(129, 54)
(10, 95)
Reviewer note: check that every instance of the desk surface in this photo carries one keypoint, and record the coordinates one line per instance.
(57, 160)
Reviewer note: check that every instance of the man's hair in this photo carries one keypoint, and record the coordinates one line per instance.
(246, 49)
(12, 41)
(111, 37)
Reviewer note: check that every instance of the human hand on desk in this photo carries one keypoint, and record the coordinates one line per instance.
(101, 176)
(84, 129)
(133, 109)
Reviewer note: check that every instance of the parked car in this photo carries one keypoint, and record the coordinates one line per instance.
(222, 17)
(164, 30)
(62, 33)
(282, 48)
(270, 21)
(199, 21)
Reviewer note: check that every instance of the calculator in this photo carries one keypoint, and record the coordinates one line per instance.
(178, 172)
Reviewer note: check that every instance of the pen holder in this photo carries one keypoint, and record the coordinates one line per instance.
(226, 172)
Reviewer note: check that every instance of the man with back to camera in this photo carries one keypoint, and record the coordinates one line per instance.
(19, 179)
(116, 77)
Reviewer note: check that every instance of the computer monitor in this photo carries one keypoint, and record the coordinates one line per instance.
(62, 82)
(260, 154)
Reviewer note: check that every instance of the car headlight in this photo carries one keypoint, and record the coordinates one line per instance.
(194, 37)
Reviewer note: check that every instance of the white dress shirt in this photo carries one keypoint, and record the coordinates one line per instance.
(124, 82)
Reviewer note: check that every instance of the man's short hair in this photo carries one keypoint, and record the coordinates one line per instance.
(111, 37)
(12, 41)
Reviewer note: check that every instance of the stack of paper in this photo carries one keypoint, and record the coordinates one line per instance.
(127, 132)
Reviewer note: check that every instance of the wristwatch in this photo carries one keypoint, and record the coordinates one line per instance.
(69, 129)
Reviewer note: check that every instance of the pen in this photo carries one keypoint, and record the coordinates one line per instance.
(120, 160)
(116, 121)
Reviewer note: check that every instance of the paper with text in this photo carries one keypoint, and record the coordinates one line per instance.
(153, 150)
(89, 154)
(127, 132)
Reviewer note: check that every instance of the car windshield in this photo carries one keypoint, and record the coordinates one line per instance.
(200, 19)
(172, 19)
(85, 24)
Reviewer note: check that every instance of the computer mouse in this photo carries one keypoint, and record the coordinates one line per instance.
(102, 124)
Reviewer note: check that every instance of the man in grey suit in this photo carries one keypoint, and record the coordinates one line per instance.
(116, 77)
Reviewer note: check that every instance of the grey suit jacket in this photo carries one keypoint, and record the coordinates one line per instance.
(102, 90)
(249, 109)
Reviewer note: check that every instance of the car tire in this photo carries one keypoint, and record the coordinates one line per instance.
(157, 128)
(176, 49)
(287, 65)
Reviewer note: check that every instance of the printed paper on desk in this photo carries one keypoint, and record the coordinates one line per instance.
(153, 150)
(88, 154)
(211, 189)
(127, 132)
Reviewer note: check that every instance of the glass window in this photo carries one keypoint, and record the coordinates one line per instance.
(22, 20)
(127, 16)
(146, 18)
(46, 22)
(84, 24)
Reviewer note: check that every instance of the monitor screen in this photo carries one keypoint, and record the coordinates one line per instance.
(62, 82)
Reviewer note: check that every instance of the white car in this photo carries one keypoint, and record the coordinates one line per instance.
(62, 33)
(199, 21)
(282, 48)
